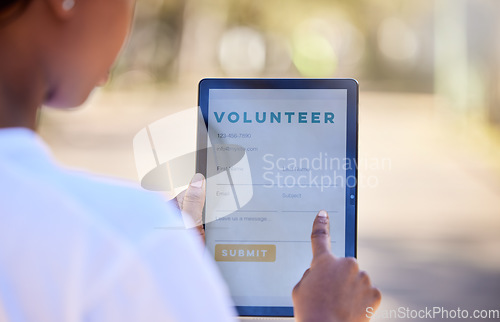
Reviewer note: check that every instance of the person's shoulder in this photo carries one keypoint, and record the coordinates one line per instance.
(31, 174)
(105, 188)
(121, 204)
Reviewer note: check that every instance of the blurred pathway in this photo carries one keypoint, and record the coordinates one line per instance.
(430, 230)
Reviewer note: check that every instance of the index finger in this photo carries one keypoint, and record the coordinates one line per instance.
(320, 236)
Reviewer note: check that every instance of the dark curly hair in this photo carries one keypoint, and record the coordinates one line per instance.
(11, 9)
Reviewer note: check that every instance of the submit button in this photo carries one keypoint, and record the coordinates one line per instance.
(245, 253)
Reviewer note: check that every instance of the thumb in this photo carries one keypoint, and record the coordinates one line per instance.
(320, 236)
(194, 199)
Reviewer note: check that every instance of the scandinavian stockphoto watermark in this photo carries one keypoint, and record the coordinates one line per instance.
(166, 151)
(434, 312)
(321, 171)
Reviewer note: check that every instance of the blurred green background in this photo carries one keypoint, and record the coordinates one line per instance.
(429, 223)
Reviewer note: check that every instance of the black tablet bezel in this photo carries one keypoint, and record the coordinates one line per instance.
(352, 88)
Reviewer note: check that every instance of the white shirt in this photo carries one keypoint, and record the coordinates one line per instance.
(78, 248)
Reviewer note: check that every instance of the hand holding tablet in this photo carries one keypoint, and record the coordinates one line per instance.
(332, 289)
(274, 151)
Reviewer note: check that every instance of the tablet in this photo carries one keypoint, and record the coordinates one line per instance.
(275, 152)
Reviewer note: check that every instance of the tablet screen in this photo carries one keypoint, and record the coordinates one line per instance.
(276, 157)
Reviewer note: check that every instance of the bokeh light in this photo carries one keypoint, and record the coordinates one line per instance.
(313, 53)
(397, 41)
(242, 52)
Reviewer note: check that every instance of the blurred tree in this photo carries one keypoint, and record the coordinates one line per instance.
(153, 49)
(494, 72)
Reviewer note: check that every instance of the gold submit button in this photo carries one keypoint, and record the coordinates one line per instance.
(245, 253)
